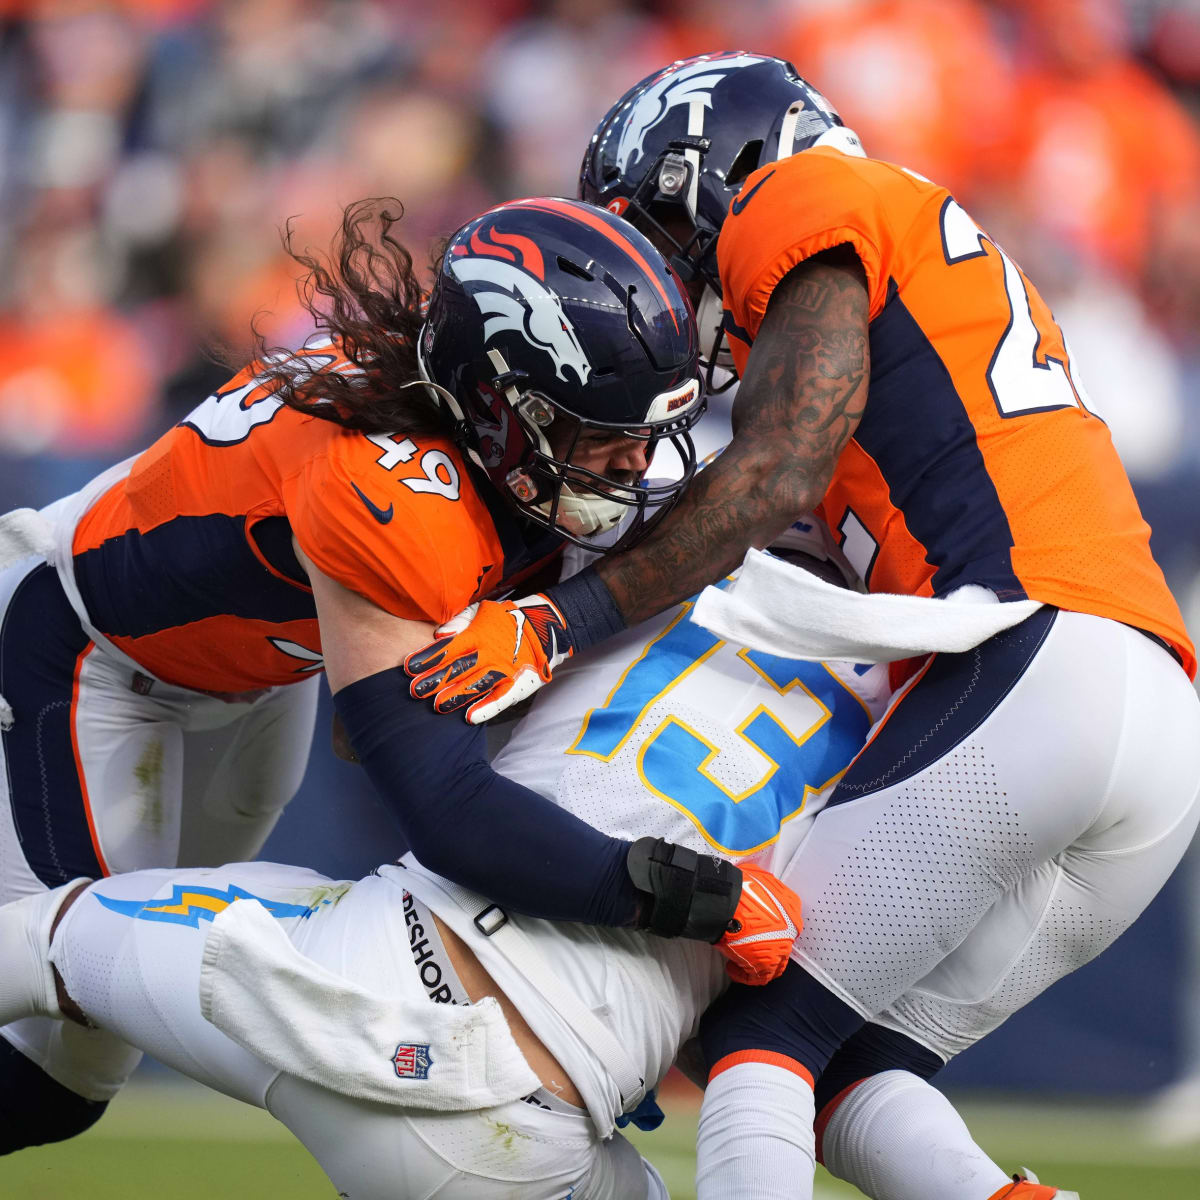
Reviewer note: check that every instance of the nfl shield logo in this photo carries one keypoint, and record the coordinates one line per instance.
(412, 1060)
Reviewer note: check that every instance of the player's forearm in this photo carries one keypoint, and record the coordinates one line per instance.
(477, 828)
(746, 498)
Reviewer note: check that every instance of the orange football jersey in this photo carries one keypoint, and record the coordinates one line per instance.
(976, 460)
(187, 564)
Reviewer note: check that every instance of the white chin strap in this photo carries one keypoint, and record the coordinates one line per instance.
(710, 315)
(585, 516)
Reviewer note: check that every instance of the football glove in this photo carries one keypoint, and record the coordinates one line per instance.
(492, 655)
(765, 925)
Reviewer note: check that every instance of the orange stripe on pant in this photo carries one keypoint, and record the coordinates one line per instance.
(83, 789)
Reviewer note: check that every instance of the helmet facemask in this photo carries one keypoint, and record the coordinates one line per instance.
(553, 487)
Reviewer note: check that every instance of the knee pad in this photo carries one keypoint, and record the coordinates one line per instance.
(35, 1109)
(870, 1051)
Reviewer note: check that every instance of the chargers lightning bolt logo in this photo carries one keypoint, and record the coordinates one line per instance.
(191, 905)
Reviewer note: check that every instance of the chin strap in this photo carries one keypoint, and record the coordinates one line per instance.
(463, 433)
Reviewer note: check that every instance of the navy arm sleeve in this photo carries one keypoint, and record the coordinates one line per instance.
(588, 608)
(477, 828)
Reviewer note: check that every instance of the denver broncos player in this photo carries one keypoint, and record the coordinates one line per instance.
(902, 375)
(162, 629)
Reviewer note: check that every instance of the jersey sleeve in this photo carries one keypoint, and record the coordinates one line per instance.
(404, 529)
(787, 212)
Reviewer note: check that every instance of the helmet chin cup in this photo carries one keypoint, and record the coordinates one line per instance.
(843, 139)
(710, 318)
(587, 516)
(716, 359)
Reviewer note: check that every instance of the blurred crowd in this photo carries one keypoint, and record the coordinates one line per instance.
(152, 150)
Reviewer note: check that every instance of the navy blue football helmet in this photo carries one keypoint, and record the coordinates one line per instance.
(551, 323)
(674, 151)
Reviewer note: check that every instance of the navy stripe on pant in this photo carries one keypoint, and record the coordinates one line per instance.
(949, 701)
(40, 644)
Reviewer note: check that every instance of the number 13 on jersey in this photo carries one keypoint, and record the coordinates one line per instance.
(734, 739)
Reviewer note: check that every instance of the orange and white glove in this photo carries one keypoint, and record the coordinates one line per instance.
(765, 925)
(492, 655)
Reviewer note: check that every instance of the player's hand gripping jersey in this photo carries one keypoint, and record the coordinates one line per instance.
(976, 460)
(187, 564)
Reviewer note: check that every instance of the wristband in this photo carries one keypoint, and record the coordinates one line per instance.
(588, 608)
(685, 894)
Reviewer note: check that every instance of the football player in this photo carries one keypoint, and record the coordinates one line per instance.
(162, 630)
(1026, 797)
(668, 733)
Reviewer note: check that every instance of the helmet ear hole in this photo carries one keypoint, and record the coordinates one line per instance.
(745, 161)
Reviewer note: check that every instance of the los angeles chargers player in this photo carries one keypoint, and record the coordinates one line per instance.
(162, 630)
(903, 376)
(320, 1011)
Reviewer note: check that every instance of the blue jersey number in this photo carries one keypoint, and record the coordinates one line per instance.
(674, 759)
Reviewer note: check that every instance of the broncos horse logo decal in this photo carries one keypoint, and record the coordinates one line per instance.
(511, 295)
(692, 84)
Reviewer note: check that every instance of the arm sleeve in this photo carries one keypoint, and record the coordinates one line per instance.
(475, 827)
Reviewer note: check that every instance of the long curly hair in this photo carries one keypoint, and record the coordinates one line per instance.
(366, 295)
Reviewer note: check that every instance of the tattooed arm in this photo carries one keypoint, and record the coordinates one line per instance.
(800, 400)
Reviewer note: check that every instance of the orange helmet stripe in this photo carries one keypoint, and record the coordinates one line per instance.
(581, 213)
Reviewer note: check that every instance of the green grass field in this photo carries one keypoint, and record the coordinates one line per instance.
(176, 1141)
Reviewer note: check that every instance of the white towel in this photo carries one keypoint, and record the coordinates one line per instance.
(301, 1018)
(25, 533)
(781, 609)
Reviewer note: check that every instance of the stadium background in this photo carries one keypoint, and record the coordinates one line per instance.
(150, 151)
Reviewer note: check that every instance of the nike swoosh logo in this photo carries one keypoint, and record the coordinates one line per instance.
(743, 198)
(767, 900)
(382, 515)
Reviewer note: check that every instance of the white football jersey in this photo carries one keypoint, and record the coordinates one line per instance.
(667, 731)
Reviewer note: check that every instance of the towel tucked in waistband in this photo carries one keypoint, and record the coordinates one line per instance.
(301, 1018)
(785, 610)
